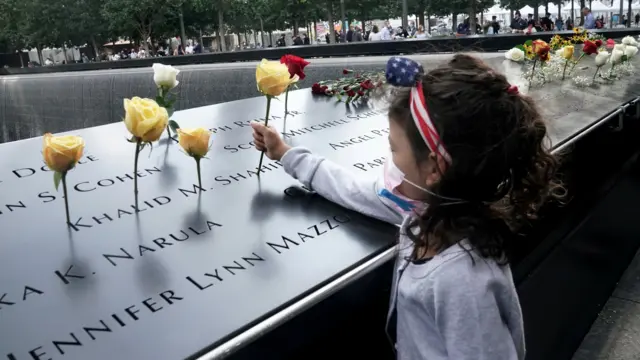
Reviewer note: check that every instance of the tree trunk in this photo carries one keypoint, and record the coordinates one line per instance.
(315, 30)
(559, 10)
(546, 8)
(255, 38)
(630, 15)
(295, 27)
(221, 31)
(183, 37)
(454, 20)
(472, 17)
(270, 38)
(145, 44)
(95, 48)
(20, 56)
(536, 12)
(427, 24)
(421, 18)
(572, 17)
(201, 41)
(405, 15)
(39, 51)
(582, 6)
(332, 29)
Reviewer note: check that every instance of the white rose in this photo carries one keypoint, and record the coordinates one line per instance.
(630, 51)
(616, 56)
(620, 47)
(629, 40)
(602, 58)
(514, 54)
(165, 76)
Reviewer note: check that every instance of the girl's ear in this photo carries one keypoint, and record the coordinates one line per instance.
(434, 167)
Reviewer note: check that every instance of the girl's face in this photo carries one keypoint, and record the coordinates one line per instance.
(421, 173)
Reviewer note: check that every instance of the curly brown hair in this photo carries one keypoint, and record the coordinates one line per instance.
(501, 164)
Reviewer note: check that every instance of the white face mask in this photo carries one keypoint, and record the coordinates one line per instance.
(393, 177)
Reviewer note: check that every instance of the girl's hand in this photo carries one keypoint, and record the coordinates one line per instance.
(268, 140)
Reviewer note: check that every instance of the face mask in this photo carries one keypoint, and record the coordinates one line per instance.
(393, 177)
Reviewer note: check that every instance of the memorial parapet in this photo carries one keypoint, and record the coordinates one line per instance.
(199, 266)
(196, 265)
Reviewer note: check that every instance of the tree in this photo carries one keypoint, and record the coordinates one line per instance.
(141, 19)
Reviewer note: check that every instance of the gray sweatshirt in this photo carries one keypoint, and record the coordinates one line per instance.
(444, 308)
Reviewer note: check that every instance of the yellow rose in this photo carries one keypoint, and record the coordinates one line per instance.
(195, 141)
(273, 78)
(567, 52)
(145, 119)
(61, 153)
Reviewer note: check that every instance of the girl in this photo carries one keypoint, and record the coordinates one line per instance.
(468, 165)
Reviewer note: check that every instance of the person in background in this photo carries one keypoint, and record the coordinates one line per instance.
(386, 32)
(569, 24)
(411, 30)
(546, 23)
(589, 21)
(530, 21)
(637, 18)
(559, 23)
(281, 42)
(85, 58)
(375, 34)
(462, 178)
(349, 35)
(518, 23)
(463, 27)
(189, 49)
(357, 35)
(401, 33)
(495, 24)
(305, 39)
(421, 34)
(198, 48)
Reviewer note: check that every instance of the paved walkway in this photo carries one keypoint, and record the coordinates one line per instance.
(615, 335)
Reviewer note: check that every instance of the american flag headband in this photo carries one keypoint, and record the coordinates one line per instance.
(404, 72)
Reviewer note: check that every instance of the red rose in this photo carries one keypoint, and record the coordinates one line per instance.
(351, 93)
(589, 47)
(346, 71)
(366, 85)
(295, 64)
(360, 93)
(598, 43)
(324, 87)
(317, 89)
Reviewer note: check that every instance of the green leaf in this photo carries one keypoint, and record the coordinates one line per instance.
(57, 177)
(173, 125)
(528, 43)
(132, 140)
(521, 47)
(624, 58)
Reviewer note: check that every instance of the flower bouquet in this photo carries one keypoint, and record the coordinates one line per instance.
(351, 87)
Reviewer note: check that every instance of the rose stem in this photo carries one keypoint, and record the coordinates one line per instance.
(565, 68)
(533, 70)
(611, 71)
(576, 63)
(596, 73)
(286, 101)
(198, 167)
(135, 172)
(66, 198)
(266, 124)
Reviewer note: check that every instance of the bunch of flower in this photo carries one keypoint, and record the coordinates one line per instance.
(558, 42)
(350, 88)
(579, 35)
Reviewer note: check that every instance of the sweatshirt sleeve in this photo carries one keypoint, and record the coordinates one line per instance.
(468, 314)
(339, 185)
